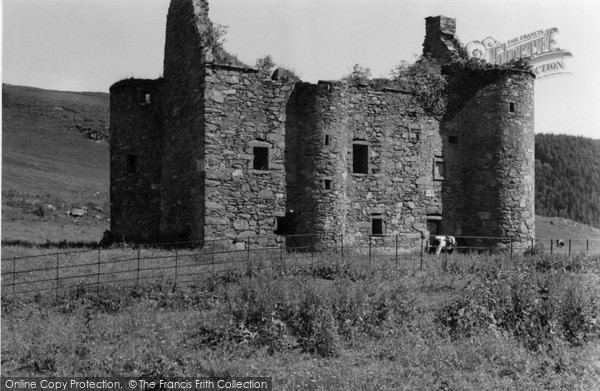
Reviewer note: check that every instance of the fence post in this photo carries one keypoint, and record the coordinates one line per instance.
(532, 244)
(422, 251)
(57, 276)
(370, 236)
(98, 276)
(312, 248)
(212, 259)
(342, 237)
(248, 264)
(282, 263)
(551, 246)
(137, 281)
(569, 247)
(587, 246)
(396, 256)
(13, 274)
(511, 247)
(176, 266)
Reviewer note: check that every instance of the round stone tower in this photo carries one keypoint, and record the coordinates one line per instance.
(490, 141)
(321, 172)
(136, 127)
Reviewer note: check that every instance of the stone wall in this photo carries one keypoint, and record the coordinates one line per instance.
(221, 152)
(440, 43)
(326, 120)
(243, 111)
(490, 185)
(399, 188)
(183, 150)
(318, 146)
(136, 128)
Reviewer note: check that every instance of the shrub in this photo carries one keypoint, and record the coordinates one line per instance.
(537, 306)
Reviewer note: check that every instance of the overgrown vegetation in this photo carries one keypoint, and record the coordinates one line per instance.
(358, 75)
(426, 83)
(265, 65)
(480, 323)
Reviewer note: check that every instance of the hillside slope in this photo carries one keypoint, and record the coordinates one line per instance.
(54, 155)
(567, 177)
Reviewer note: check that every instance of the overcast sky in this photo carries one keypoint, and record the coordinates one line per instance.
(86, 45)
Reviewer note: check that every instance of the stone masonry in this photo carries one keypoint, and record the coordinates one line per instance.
(216, 151)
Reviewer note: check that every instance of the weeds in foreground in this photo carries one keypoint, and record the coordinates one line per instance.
(478, 323)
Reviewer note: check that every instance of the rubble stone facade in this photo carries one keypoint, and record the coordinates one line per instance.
(214, 151)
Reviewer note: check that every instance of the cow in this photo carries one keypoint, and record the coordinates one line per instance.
(560, 243)
(441, 243)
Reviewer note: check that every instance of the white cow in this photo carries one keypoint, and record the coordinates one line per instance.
(443, 243)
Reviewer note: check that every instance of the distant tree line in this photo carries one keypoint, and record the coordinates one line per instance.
(567, 177)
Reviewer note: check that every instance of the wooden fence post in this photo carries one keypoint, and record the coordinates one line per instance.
(396, 255)
(176, 266)
(551, 246)
(57, 275)
(587, 246)
(342, 252)
(98, 275)
(569, 247)
(137, 281)
(13, 274)
(370, 236)
(248, 264)
(532, 245)
(422, 251)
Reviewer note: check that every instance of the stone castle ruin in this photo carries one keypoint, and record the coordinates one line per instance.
(219, 151)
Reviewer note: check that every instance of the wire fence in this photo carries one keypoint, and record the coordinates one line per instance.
(186, 263)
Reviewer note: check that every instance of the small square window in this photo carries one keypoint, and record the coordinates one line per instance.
(360, 159)
(376, 226)
(327, 184)
(145, 98)
(132, 164)
(453, 139)
(327, 139)
(511, 107)
(439, 169)
(261, 158)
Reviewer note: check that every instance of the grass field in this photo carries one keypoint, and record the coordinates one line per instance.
(475, 323)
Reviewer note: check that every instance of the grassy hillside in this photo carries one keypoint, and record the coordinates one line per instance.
(54, 152)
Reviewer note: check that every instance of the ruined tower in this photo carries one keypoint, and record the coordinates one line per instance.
(219, 152)
(488, 146)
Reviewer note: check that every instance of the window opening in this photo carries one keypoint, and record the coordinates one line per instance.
(360, 159)
(433, 225)
(377, 226)
(453, 139)
(261, 158)
(511, 107)
(327, 139)
(327, 184)
(132, 164)
(439, 168)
